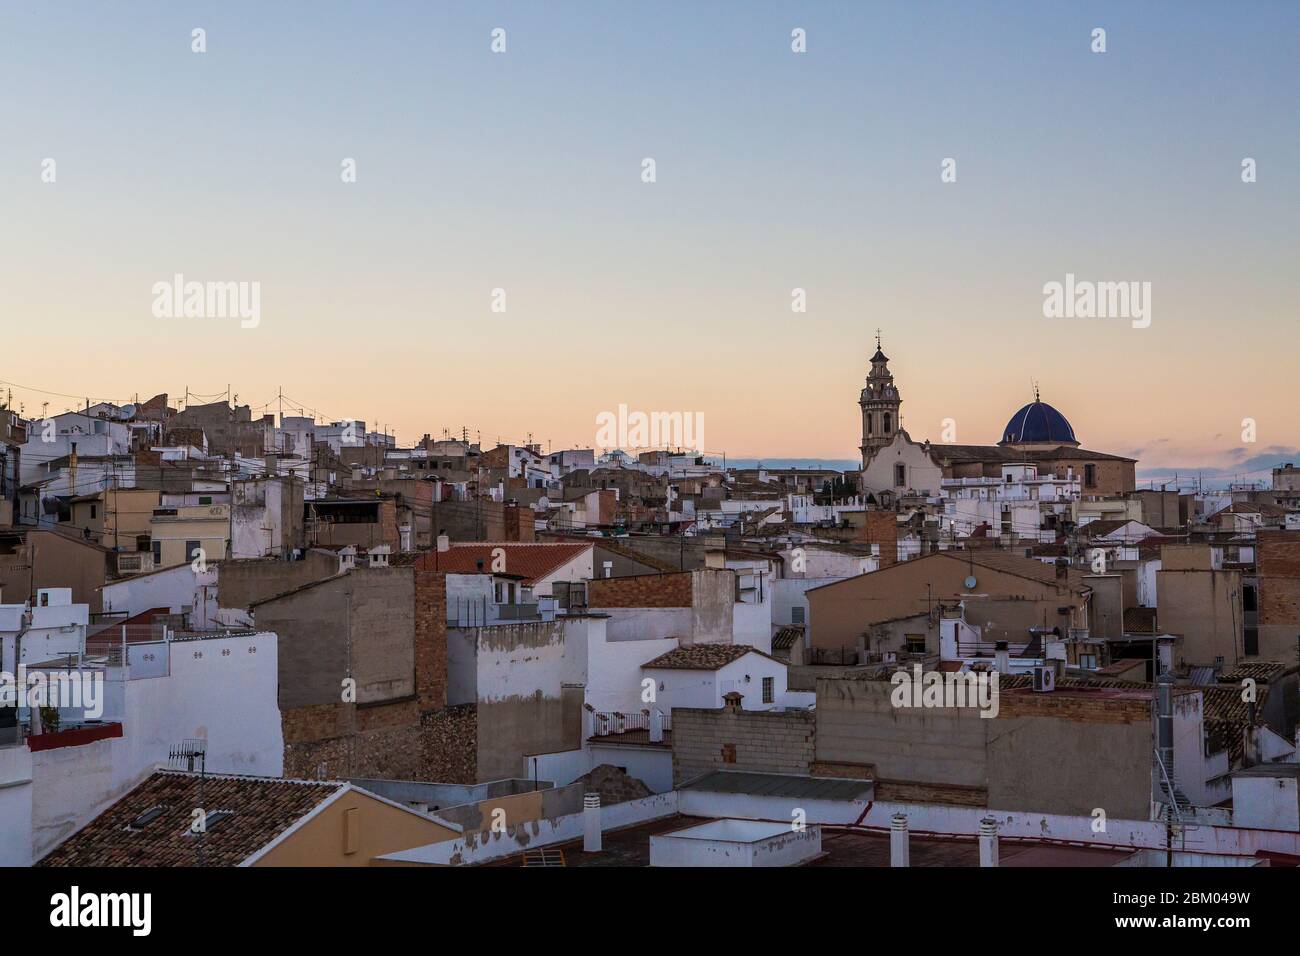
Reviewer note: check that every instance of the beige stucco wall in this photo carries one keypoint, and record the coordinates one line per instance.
(381, 828)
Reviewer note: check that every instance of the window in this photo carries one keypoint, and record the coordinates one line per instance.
(796, 615)
(868, 420)
(1252, 641)
(191, 547)
(211, 820)
(916, 643)
(205, 499)
(1090, 476)
(1248, 599)
(146, 818)
(900, 476)
(157, 552)
(769, 690)
(93, 512)
(1088, 661)
(884, 419)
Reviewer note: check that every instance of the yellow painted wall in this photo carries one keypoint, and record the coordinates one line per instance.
(379, 828)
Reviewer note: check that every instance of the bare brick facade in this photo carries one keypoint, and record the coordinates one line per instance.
(642, 590)
(735, 739)
(1277, 556)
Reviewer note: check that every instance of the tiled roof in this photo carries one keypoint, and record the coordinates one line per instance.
(529, 560)
(1101, 526)
(703, 657)
(264, 807)
(787, 637)
(1227, 715)
(1261, 671)
(945, 452)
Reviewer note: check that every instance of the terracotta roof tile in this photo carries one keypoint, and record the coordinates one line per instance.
(263, 808)
(703, 657)
(530, 561)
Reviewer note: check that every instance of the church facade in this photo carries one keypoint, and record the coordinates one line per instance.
(894, 462)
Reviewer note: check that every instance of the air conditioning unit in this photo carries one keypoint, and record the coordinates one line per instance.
(1044, 678)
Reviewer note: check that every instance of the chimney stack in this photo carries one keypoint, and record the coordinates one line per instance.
(591, 823)
(898, 846)
(444, 542)
(656, 726)
(988, 842)
(1003, 657)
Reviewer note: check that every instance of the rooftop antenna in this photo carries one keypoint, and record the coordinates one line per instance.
(192, 752)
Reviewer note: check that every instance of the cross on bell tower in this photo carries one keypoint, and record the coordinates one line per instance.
(879, 402)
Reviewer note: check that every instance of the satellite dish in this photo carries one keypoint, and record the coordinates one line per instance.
(128, 411)
(970, 581)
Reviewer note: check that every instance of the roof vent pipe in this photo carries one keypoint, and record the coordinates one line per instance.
(591, 823)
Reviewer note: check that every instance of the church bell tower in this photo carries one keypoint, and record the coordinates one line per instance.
(879, 402)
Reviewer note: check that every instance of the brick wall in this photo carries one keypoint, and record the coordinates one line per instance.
(430, 634)
(881, 527)
(642, 590)
(733, 739)
(333, 741)
(450, 738)
(1277, 557)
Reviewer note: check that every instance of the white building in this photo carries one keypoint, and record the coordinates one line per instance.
(1020, 502)
(700, 675)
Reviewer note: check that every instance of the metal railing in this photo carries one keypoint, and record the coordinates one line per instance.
(605, 723)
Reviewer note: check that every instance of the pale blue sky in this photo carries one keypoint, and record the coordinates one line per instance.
(775, 170)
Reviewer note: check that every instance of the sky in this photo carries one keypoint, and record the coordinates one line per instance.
(774, 171)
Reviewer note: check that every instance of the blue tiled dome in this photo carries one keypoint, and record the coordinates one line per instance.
(1038, 423)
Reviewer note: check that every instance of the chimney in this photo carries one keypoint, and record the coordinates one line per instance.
(656, 726)
(1250, 752)
(444, 542)
(1003, 656)
(898, 847)
(510, 519)
(72, 469)
(591, 823)
(731, 701)
(988, 842)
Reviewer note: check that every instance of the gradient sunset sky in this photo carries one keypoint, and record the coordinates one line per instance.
(775, 170)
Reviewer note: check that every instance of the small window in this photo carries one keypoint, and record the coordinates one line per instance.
(797, 614)
(156, 547)
(1090, 476)
(146, 818)
(211, 821)
(1088, 661)
(916, 643)
(94, 512)
(205, 499)
(900, 476)
(769, 689)
(1252, 641)
(191, 549)
(885, 423)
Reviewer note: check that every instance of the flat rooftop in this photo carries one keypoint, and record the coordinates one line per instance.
(630, 846)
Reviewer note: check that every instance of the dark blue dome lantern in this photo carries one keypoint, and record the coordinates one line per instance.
(1038, 424)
